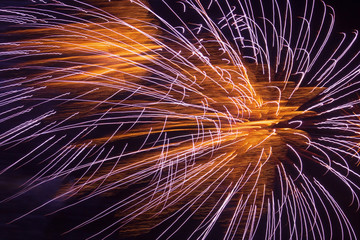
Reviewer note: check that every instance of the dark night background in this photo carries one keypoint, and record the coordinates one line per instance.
(347, 14)
(36, 226)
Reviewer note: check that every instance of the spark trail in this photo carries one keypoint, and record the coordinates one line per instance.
(231, 120)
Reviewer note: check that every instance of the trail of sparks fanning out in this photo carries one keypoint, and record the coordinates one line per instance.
(181, 120)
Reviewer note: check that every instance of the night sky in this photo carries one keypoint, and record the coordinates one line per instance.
(347, 14)
(38, 227)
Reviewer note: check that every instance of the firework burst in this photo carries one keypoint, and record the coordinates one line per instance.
(204, 119)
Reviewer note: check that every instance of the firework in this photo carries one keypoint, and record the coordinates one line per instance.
(186, 120)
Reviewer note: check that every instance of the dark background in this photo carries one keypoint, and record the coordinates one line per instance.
(35, 227)
(347, 14)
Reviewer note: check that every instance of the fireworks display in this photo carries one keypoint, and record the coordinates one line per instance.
(181, 119)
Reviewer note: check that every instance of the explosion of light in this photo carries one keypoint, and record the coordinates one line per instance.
(226, 120)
